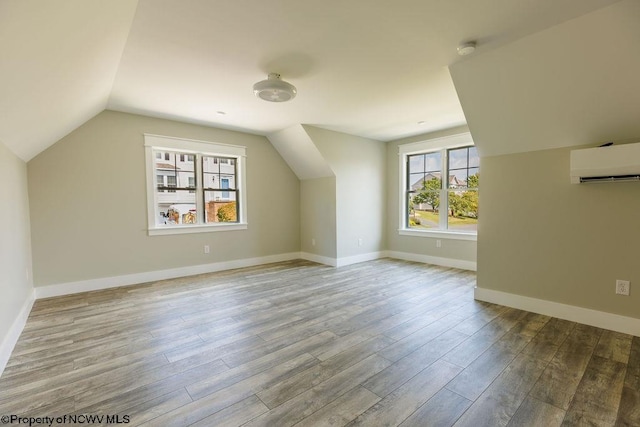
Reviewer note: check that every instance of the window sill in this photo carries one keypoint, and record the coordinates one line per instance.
(439, 234)
(188, 229)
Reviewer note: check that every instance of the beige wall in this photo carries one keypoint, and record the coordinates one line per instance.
(359, 165)
(462, 250)
(15, 248)
(89, 213)
(545, 238)
(318, 216)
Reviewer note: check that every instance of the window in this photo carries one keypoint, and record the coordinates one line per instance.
(440, 181)
(194, 186)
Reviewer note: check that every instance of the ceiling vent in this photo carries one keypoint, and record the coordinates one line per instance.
(274, 89)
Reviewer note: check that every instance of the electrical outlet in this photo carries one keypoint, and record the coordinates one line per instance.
(313, 242)
(622, 287)
(207, 249)
(438, 243)
(359, 242)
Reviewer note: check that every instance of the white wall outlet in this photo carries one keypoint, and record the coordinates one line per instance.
(622, 287)
(438, 243)
(313, 242)
(359, 242)
(207, 249)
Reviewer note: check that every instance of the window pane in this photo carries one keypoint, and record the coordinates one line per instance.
(219, 173)
(463, 210)
(177, 208)
(458, 178)
(428, 162)
(176, 199)
(433, 162)
(423, 210)
(460, 167)
(458, 158)
(416, 164)
(474, 159)
(474, 178)
(220, 206)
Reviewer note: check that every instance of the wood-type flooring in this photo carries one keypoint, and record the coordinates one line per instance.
(381, 343)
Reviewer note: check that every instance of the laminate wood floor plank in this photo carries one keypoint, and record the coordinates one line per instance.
(208, 386)
(500, 401)
(383, 342)
(590, 405)
(406, 368)
(236, 392)
(533, 412)
(405, 400)
(629, 409)
(558, 383)
(342, 410)
(305, 404)
(442, 410)
(278, 393)
(234, 415)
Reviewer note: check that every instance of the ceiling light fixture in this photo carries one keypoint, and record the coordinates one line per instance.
(274, 89)
(466, 48)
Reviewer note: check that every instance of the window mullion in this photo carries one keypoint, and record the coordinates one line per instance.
(444, 191)
(197, 166)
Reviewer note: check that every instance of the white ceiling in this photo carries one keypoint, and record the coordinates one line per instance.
(368, 68)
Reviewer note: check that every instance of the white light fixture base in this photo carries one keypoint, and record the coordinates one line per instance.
(274, 89)
(466, 48)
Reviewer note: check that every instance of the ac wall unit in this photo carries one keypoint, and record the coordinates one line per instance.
(606, 164)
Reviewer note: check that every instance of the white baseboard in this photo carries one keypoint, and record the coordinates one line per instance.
(355, 259)
(9, 341)
(333, 262)
(344, 261)
(151, 276)
(428, 259)
(599, 319)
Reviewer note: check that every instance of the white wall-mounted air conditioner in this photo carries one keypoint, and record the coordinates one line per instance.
(606, 164)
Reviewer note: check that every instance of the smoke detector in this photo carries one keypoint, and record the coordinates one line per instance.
(274, 89)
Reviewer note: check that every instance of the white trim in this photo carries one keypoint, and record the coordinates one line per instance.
(198, 148)
(10, 340)
(200, 228)
(439, 234)
(451, 141)
(355, 259)
(431, 145)
(150, 276)
(333, 262)
(428, 259)
(172, 143)
(587, 316)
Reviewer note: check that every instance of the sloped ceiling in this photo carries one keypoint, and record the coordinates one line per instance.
(368, 68)
(58, 62)
(573, 84)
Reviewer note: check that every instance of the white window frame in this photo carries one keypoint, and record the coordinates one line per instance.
(432, 145)
(197, 148)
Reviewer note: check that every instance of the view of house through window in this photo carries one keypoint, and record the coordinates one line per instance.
(182, 177)
(442, 189)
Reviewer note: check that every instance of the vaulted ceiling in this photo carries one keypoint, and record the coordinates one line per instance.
(376, 69)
